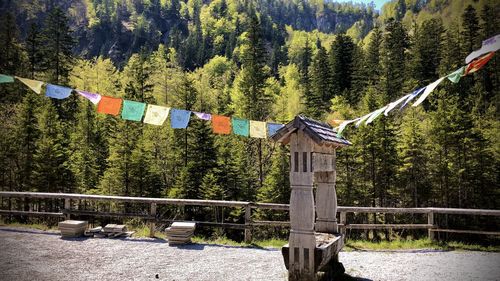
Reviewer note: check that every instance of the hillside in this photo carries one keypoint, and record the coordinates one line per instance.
(260, 60)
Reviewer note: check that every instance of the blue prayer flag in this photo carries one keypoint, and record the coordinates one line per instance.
(179, 118)
(57, 92)
(412, 96)
(272, 128)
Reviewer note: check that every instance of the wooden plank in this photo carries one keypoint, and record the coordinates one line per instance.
(388, 226)
(28, 213)
(167, 201)
(466, 231)
(271, 206)
(271, 223)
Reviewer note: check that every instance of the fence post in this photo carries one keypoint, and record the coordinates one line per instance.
(152, 223)
(343, 221)
(430, 221)
(67, 207)
(248, 223)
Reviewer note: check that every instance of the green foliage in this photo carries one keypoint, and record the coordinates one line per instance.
(223, 57)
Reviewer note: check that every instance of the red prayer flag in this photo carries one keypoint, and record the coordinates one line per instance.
(109, 105)
(221, 124)
(478, 64)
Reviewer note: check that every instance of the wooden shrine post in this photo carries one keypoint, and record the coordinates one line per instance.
(301, 241)
(312, 155)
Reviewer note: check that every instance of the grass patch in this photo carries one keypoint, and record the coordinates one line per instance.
(28, 225)
(142, 231)
(409, 244)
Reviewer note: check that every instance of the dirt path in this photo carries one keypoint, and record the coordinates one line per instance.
(27, 254)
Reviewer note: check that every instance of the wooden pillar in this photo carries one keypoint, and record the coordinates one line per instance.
(302, 241)
(248, 223)
(326, 196)
(67, 208)
(430, 221)
(152, 223)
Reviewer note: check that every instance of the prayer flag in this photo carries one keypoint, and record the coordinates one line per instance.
(203, 116)
(109, 105)
(240, 126)
(94, 98)
(489, 45)
(133, 110)
(221, 124)
(272, 128)
(336, 122)
(179, 118)
(412, 96)
(257, 129)
(456, 75)
(392, 105)
(427, 91)
(57, 92)
(35, 85)
(375, 114)
(6, 79)
(363, 119)
(478, 64)
(156, 114)
(343, 125)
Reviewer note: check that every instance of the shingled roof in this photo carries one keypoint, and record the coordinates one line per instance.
(320, 132)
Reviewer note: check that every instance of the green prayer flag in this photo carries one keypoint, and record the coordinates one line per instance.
(6, 79)
(133, 110)
(456, 75)
(240, 126)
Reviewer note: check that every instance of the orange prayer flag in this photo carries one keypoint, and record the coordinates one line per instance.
(336, 122)
(478, 64)
(109, 105)
(221, 124)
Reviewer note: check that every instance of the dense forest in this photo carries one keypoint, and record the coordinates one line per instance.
(266, 60)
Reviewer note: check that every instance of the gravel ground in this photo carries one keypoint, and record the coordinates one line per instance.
(27, 254)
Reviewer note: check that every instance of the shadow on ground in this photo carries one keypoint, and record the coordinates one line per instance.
(344, 277)
(29, 231)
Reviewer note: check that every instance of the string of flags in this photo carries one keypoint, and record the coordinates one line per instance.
(474, 61)
(153, 114)
(225, 125)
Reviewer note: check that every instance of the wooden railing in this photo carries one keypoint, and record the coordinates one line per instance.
(249, 223)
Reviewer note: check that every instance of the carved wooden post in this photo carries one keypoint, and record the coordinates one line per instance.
(312, 153)
(302, 241)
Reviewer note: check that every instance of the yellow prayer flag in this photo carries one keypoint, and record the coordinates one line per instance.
(257, 129)
(35, 85)
(156, 115)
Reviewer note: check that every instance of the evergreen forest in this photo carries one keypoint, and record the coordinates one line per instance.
(265, 60)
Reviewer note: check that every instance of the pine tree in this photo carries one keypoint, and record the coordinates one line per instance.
(11, 52)
(470, 33)
(50, 169)
(58, 46)
(395, 45)
(319, 97)
(341, 66)
(34, 43)
(427, 51)
(372, 62)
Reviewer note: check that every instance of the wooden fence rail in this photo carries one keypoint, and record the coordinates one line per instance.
(152, 217)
